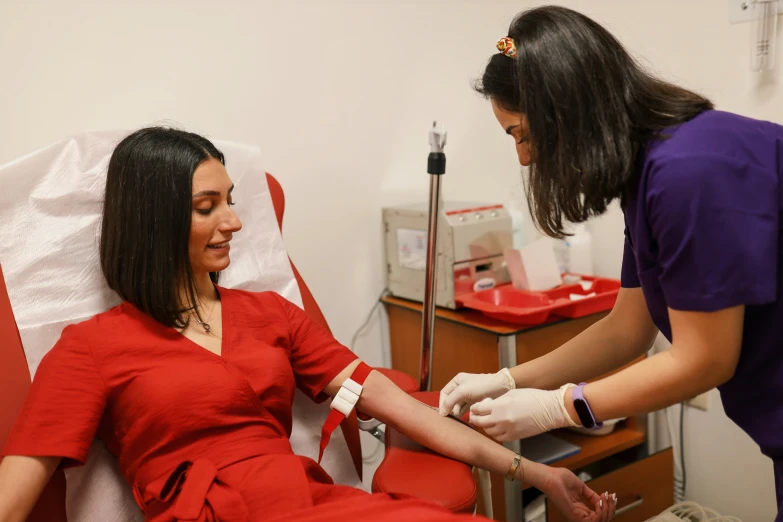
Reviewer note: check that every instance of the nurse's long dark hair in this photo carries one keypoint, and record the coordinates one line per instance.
(590, 108)
(146, 221)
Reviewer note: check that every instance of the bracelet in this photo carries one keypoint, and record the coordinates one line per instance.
(513, 469)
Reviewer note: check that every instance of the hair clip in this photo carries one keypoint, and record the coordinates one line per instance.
(506, 46)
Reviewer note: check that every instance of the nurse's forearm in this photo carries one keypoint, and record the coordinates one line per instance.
(655, 383)
(704, 355)
(619, 338)
(386, 402)
(596, 351)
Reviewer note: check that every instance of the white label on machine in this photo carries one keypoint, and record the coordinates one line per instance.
(412, 248)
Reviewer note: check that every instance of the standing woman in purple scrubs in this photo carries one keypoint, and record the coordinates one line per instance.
(701, 193)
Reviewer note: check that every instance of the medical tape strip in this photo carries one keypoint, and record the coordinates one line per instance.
(343, 404)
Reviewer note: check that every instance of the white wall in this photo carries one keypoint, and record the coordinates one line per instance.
(340, 96)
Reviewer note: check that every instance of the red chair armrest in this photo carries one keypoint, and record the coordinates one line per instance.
(411, 469)
(403, 381)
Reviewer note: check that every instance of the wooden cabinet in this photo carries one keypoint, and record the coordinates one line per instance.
(467, 341)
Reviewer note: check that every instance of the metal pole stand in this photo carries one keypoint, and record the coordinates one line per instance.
(436, 167)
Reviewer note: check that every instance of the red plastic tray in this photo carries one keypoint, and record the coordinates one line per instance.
(605, 290)
(506, 303)
(512, 305)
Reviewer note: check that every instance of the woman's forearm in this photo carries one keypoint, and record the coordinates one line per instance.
(596, 351)
(22, 479)
(387, 403)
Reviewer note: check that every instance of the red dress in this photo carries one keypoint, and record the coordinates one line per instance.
(199, 436)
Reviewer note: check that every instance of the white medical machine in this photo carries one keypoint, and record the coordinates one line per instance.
(471, 241)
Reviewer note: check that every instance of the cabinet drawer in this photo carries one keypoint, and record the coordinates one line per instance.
(644, 488)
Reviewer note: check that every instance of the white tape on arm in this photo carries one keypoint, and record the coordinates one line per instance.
(347, 397)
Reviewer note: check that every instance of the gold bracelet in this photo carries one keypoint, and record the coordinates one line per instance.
(513, 469)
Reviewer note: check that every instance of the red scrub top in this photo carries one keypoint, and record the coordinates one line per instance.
(197, 435)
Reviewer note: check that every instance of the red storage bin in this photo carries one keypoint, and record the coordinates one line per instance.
(506, 303)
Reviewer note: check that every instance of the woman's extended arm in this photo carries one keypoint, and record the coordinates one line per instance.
(383, 400)
(22, 479)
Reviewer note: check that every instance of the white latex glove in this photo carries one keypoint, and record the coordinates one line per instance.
(466, 389)
(522, 413)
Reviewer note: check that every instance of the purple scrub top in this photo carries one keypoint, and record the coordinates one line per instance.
(703, 232)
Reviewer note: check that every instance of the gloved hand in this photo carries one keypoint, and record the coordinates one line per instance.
(468, 388)
(522, 413)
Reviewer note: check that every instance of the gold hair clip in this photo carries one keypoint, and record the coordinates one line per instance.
(506, 46)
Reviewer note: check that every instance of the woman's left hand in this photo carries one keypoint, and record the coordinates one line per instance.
(575, 500)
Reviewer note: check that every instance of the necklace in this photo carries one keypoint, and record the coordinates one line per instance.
(204, 324)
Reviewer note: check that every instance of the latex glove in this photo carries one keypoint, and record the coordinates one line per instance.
(576, 501)
(522, 413)
(466, 389)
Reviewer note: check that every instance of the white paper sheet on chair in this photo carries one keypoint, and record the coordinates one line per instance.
(50, 207)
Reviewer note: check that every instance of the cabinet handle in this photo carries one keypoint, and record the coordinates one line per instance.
(633, 505)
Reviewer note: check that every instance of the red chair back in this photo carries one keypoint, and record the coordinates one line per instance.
(350, 426)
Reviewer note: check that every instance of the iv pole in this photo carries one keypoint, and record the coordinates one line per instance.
(436, 167)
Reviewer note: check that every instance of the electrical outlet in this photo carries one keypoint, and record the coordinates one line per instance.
(700, 401)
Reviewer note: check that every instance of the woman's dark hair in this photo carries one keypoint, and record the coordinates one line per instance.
(146, 221)
(590, 109)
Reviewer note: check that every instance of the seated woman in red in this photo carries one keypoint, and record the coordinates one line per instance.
(191, 385)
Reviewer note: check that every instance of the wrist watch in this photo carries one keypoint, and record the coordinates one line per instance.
(582, 408)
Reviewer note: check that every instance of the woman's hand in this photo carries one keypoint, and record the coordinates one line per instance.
(575, 500)
(466, 389)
